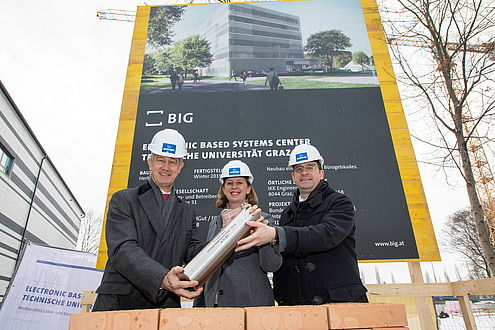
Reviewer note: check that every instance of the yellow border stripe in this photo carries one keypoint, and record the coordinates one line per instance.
(127, 121)
(408, 167)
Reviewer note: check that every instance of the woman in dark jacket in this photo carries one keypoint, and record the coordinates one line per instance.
(242, 280)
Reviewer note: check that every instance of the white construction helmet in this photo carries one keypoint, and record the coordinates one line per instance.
(236, 168)
(169, 143)
(304, 153)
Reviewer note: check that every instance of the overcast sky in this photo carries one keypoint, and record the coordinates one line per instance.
(65, 69)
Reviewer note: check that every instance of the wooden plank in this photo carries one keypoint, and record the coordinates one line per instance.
(424, 305)
(409, 290)
(467, 312)
(474, 287)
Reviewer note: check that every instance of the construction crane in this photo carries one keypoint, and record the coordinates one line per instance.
(117, 15)
(485, 183)
(130, 16)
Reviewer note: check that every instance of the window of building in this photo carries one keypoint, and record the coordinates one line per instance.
(6, 160)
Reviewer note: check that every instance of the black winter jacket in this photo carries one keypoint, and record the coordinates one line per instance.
(320, 261)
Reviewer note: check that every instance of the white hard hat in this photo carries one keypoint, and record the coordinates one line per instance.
(169, 143)
(236, 168)
(304, 153)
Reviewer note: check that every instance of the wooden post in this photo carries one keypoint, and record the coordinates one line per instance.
(467, 312)
(426, 312)
(88, 298)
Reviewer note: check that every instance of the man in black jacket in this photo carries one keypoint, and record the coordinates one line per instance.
(316, 237)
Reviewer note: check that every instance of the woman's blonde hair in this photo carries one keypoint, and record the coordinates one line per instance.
(222, 200)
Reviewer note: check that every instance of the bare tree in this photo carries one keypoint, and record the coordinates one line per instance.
(460, 237)
(449, 66)
(90, 232)
(427, 277)
(362, 275)
(457, 273)
(446, 275)
(378, 277)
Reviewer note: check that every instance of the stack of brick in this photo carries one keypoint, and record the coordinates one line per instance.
(376, 316)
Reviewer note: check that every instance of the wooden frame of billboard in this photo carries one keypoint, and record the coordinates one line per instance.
(411, 181)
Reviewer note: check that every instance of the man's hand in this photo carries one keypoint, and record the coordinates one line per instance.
(262, 235)
(172, 283)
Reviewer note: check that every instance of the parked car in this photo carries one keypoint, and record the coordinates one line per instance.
(260, 73)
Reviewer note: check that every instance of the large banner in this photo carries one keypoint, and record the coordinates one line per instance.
(335, 90)
(47, 288)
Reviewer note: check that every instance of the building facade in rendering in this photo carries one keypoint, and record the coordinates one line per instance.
(255, 39)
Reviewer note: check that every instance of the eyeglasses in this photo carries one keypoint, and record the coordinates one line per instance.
(308, 168)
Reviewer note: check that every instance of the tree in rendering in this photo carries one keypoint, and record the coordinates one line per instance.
(191, 52)
(161, 21)
(361, 58)
(325, 45)
(342, 60)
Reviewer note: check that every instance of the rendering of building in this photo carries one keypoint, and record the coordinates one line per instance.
(244, 36)
(35, 202)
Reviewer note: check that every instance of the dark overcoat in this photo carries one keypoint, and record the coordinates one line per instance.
(319, 261)
(144, 243)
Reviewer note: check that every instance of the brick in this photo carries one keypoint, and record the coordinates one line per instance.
(286, 317)
(116, 320)
(202, 318)
(387, 328)
(359, 316)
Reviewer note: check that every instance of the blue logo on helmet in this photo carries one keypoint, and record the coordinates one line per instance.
(303, 156)
(234, 171)
(169, 148)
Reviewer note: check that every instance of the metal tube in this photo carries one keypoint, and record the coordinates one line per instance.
(218, 249)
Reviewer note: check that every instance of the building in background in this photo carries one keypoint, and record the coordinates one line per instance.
(244, 36)
(35, 202)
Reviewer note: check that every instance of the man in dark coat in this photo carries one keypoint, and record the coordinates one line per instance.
(149, 234)
(315, 237)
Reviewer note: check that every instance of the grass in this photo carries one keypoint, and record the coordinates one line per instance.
(153, 83)
(307, 82)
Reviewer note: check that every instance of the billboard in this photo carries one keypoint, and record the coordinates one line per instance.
(206, 71)
(47, 288)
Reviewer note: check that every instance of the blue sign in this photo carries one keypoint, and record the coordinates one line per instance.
(301, 157)
(169, 148)
(234, 171)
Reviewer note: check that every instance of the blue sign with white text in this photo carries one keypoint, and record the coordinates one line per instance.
(302, 156)
(169, 148)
